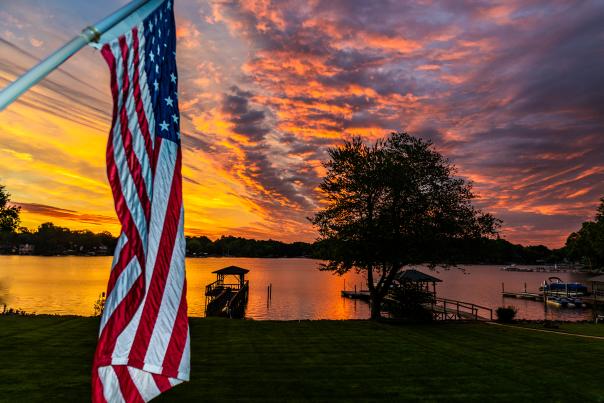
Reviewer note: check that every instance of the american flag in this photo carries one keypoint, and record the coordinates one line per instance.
(143, 346)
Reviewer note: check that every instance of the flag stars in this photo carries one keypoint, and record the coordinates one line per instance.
(169, 5)
(152, 56)
(175, 118)
(164, 126)
(155, 85)
(157, 68)
(173, 78)
(169, 101)
(150, 26)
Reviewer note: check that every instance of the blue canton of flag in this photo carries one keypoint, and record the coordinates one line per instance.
(160, 51)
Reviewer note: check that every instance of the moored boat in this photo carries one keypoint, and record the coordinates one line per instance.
(555, 286)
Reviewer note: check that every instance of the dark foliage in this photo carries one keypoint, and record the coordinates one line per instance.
(241, 247)
(587, 244)
(50, 239)
(9, 214)
(394, 203)
(506, 314)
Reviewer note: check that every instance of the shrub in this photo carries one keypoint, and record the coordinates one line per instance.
(99, 305)
(506, 314)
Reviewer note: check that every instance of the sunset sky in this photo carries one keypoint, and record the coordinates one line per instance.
(512, 93)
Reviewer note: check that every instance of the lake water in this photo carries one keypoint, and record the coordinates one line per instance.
(71, 285)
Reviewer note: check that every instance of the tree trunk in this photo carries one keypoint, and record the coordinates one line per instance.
(375, 304)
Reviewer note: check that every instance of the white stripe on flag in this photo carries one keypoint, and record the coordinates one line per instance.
(162, 332)
(184, 368)
(165, 168)
(127, 183)
(144, 383)
(144, 85)
(121, 289)
(138, 140)
(164, 172)
(111, 385)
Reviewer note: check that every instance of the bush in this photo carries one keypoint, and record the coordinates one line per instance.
(506, 314)
(99, 305)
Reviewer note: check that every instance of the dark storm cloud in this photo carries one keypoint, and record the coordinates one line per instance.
(258, 166)
(247, 121)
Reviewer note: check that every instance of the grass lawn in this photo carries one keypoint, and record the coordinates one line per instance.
(49, 359)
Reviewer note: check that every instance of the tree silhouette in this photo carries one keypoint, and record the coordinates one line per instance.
(9, 214)
(393, 203)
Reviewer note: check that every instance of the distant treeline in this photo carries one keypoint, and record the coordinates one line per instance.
(50, 239)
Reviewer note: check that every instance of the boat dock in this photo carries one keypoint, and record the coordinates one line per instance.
(588, 300)
(227, 299)
(363, 295)
(523, 295)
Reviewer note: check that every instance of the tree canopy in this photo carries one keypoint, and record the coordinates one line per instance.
(393, 203)
(587, 244)
(9, 214)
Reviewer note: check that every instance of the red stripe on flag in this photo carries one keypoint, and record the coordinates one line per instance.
(97, 387)
(126, 309)
(140, 110)
(162, 266)
(121, 208)
(133, 162)
(127, 386)
(122, 262)
(162, 382)
(117, 322)
(178, 340)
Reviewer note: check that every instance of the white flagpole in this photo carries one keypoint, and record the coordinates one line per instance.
(89, 34)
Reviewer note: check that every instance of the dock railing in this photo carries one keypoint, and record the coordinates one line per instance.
(236, 306)
(218, 285)
(453, 309)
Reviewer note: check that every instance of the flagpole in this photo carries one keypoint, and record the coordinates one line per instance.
(92, 33)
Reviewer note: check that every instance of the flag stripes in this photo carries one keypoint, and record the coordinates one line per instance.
(143, 347)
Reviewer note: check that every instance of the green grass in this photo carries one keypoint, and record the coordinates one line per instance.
(49, 359)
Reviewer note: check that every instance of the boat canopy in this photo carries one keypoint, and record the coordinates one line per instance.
(234, 270)
(417, 276)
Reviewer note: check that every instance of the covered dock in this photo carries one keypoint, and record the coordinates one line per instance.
(228, 295)
(442, 308)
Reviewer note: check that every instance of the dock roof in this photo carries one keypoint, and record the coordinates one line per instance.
(597, 279)
(231, 270)
(417, 276)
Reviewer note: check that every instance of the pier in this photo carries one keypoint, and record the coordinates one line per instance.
(227, 299)
(449, 309)
(591, 299)
(418, 283)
